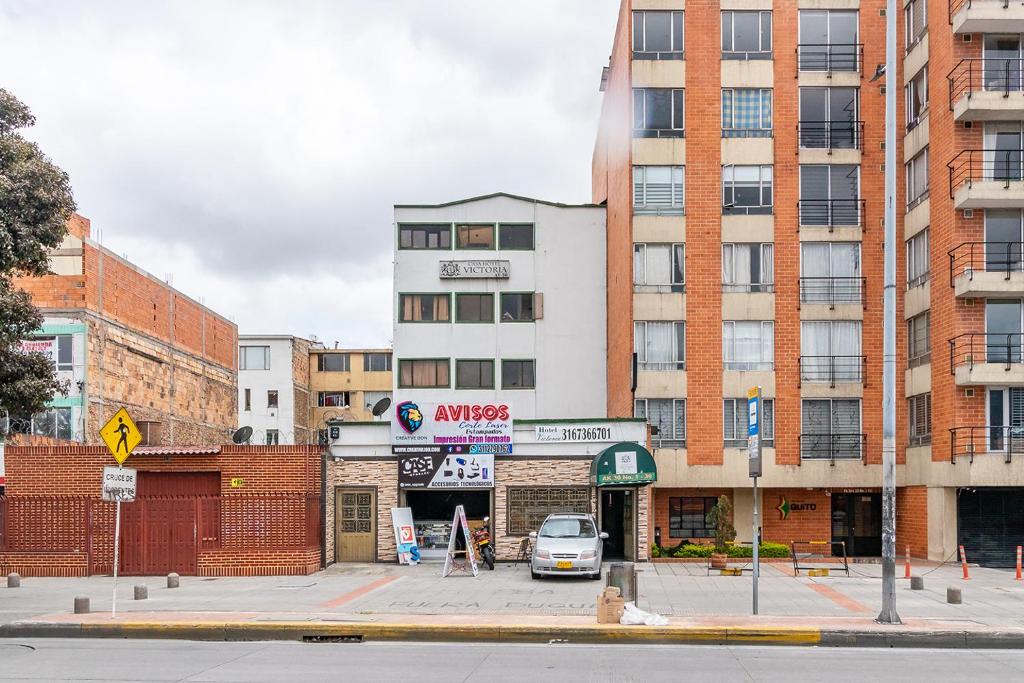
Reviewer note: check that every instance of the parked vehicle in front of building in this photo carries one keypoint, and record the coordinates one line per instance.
(567, 544)
(482, 541)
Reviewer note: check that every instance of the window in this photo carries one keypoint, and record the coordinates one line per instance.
(54, 423)
(916, 21)
(516, 236)
(272, 398)
(917, 179)
(688, 517)
(917, 259)
(828, 41)
(480, 236)
(150, 432)
(660, 345)
(831, 429)
(736, 416)
(1002, 66)
(748, 267)
(332, 399)
(746, 112)
(666, 415)
(254, 358)
(518, 374)
(248, 399)
(474, 374)
(376, 362)
(1003, 327)
(657, 35)
(830, 194)
(424, 373)
(56, 348)
(659, 267)
(517, 307)
(332, 362)
(830, 273)
(919, 410)
(917, 97)
(529, 506)
(425, 308)
(1005, 419)
(746, 35)
(830, 351)
(474, 308)
(658, 190)
(1003, 156)
(829, 118)
(748, 344)
(273, 438)
(919, 340)
(747, 189)
(1004, 251)
(658, 112)
(425, 236)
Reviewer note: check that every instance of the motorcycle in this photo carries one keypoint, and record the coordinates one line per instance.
(482, 542)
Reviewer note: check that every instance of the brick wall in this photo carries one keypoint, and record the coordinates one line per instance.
(912, 521)
(661, 510)
(799, 525)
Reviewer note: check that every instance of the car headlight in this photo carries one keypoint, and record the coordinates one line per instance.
(543, 554)
(588, 555)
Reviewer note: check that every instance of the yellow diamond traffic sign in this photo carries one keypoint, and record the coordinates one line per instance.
(121, 435)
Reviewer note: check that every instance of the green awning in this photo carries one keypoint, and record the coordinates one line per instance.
(623, 464)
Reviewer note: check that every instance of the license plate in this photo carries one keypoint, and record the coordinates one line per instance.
(563, 564)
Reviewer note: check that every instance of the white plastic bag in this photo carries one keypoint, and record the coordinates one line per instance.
(634, 616)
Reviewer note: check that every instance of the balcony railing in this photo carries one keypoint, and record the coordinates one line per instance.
(973, 348)
(831, 212)
(968, 258)
(975, 74)
(832, 369)
(989, 439)
(1000, 165)
(830, 56)
(831, 134)
(832, 290)
(832, 447)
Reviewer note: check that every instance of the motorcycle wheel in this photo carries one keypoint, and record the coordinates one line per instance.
(488, 554)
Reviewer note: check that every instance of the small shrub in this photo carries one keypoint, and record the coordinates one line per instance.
(691, 550)
(655, 550)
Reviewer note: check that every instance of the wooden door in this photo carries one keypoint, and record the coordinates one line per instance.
(355, 525)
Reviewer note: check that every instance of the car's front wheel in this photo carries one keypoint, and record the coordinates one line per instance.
(534, 575)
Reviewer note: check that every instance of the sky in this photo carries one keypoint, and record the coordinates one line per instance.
(251, 152)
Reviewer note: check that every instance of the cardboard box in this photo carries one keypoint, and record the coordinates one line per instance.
(610, 606)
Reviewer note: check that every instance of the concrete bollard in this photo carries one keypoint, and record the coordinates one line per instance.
(917, 583)
(13, 580)
(954, 596)
(173, 580)
(81, 605)
(141, 592)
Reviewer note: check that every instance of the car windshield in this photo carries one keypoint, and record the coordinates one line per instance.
(568, 528)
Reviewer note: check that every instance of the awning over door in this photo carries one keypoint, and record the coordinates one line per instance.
(624, 463)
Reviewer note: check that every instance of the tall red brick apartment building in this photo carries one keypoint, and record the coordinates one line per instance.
(740, 156)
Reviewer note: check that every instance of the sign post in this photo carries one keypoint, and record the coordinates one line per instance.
(754, 467)
(121, 437)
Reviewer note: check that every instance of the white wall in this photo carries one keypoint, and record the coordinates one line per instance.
(278, 377)
(569, 344)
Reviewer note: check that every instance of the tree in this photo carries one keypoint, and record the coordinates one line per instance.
(35, 204)
(720, 518)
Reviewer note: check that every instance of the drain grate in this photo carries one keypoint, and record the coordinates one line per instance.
(333, 639)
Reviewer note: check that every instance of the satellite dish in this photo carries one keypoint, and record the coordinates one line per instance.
(381, 406)
(241, 435)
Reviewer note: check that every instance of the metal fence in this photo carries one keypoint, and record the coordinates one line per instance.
(986, 440)
(832, 290)
(980, 347)
(968, 258)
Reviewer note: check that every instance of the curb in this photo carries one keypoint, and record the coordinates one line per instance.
(468, 632)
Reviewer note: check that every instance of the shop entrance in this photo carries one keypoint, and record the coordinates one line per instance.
(355, 525)
(432, 512)
(617, 518)
(857, 521)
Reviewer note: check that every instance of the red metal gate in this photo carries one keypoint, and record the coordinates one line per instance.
(158, 536)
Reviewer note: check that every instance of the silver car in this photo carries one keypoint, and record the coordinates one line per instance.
(568, 543)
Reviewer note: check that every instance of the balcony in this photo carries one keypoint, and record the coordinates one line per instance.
(831, 213)
(833, 369)
(986, 16)
(987, 179)
(987, 89)
(832, 447)
(987, 269)
(832, 290)
(829, 58)
(994, 440)
(984, 358)
(831, 135)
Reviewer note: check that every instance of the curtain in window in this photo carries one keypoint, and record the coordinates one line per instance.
(659, 264)
(741, 259)
(845, 338)
(659, 343)
(639, 264)
(728, 269)
(767, 264)
(746, 112)
(815, 338)
(816, 428)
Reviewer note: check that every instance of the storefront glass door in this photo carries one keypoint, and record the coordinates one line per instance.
(857, 522)
(617, 518)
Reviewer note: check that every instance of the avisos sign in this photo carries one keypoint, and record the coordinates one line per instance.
(461, 428)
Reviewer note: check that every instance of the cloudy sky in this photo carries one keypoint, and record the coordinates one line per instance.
(252, 151)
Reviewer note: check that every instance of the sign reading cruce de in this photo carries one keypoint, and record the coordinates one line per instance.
(623, 464)
(119, 484)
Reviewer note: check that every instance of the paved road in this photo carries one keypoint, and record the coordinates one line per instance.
(156, 660)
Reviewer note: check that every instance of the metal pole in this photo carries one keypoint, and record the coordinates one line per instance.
(888, 614)
(117, 543)
(757, 540)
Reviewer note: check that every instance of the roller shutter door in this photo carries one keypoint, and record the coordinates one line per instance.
(991, 525)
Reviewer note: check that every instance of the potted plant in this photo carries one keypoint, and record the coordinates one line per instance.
(720, 518)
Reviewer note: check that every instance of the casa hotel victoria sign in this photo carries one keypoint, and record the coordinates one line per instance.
(455, 270)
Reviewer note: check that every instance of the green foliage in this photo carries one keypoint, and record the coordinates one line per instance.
(732, 550)
(655, 550)
(692, 550)
(35, 204)
(720, 517)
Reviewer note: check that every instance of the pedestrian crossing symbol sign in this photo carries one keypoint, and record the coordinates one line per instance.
(121, 436)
